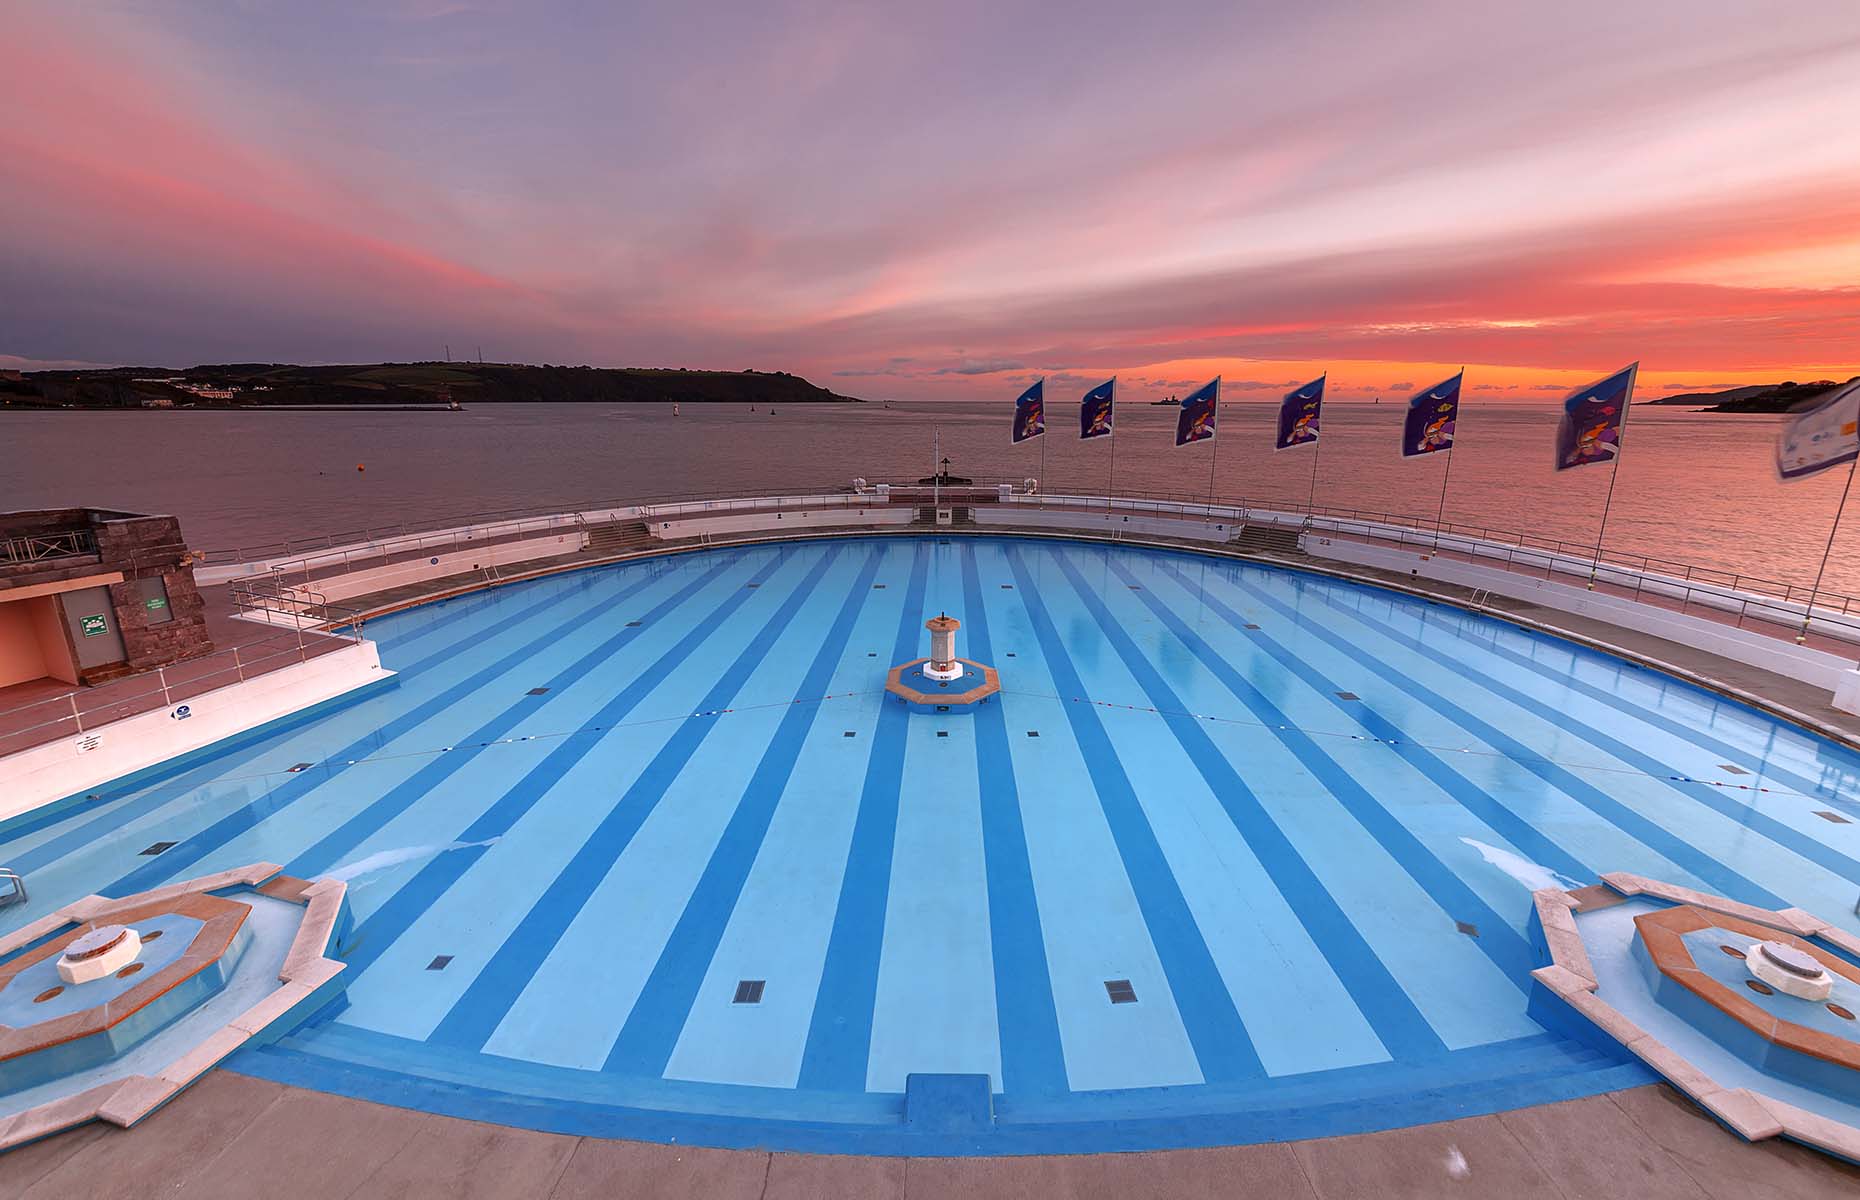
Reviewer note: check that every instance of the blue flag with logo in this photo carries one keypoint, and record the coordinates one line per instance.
(1095, 410)
(1590, 431)
(1195, 423)
(1432, 413)
(1030, 412)
(1298, 415)
(1824, 436)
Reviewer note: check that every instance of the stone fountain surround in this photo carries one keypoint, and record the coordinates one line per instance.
(307, 979)
(1567, 987)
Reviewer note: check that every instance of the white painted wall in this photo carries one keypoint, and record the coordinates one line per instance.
(1816, 667)
(725, 522)
(441, 564)
(70, 765)
(1101, 522)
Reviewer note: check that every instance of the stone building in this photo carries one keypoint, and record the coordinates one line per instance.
(88, 595)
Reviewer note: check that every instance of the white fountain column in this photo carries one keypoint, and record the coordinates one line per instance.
(943, 664)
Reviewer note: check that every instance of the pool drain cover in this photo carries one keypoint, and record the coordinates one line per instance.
(1835, 817)
(439, 963)
(1733, 770)
(299, 767)
(1348, 696)
(749, 991)
(536, 692)
(158, 847)
(1467, 928)
(1120, 991)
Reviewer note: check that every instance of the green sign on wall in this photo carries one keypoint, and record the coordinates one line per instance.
(155, 603)
(93, 625)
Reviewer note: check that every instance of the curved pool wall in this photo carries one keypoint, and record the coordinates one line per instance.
(1301, 818)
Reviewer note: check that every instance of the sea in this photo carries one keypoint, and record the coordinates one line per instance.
(1690, 489)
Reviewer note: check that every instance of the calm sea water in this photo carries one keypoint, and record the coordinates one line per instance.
(1693, 487)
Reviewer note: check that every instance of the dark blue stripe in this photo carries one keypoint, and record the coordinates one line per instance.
(839, 1037)
(1220, 1039)
(1649, 715)
(1646, 830)
(240, 820)
(651, 1032)
(217, 766)
(432, 881)
(1457, 900)
(1033, 1061)
(1777, 831)
(1522, 835)
(329, 850)
(1398, 1024)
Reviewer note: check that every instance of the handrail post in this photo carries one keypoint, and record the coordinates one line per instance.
(161, 676)
(238, 667)
(75, 714)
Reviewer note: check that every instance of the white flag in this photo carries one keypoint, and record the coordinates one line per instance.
(1827, 435)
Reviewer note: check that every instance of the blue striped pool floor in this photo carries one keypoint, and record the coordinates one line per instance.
(1301, 818)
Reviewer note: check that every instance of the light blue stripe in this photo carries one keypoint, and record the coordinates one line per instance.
(1032, 1060)
(194, 848)
(162, 791)
(375, 934)
(652, 1028)
(839, 1039)
(1455, 900)
(1648, 831)
(1222, 1046)
(1519, 832)
(477, 1013)
(1399, 1025)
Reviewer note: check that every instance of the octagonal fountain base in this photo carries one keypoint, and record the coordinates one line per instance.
(1753, 1013)
(109, 1007)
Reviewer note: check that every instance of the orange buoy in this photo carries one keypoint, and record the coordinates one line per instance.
(360, 467)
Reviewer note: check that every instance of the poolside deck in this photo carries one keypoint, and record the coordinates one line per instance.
(233, 1136)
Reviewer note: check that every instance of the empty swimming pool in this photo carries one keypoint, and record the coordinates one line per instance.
(1237, 854)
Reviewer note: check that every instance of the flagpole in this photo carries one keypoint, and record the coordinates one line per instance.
(1111, 488)
(1215, 437)
(936, 481)
(1614, 472)
(1440, 512)
(1043, 452)
(1808, 614)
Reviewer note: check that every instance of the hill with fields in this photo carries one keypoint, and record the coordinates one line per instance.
(256, 385)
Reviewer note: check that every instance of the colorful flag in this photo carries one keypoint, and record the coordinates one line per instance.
(1095, 410)
(1432, 413)
(1195, 423)
(1030, 412)
(1298, 415)
(1824, 436)
(1590, 431)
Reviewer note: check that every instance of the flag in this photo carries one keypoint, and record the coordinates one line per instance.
(1590, 431)
(1030, 412)
(1095, 410)
(1824, 436)
(1195, 423)
(1432, 413)
(1298, 415)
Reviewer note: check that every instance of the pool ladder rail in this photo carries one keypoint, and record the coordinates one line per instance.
(12, 887)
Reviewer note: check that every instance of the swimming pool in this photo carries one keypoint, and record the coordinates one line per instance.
(1237, 854)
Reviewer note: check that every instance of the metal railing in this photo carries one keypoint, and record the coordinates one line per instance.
(1644, 575)
(42, 547)
(84, 709)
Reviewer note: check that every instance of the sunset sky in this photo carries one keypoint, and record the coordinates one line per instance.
(944, 199)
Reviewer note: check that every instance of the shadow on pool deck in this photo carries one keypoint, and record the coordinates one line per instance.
(236, 1136)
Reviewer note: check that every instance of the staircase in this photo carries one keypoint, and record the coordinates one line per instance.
(959, 514)
(1265, 539)
(618, 537)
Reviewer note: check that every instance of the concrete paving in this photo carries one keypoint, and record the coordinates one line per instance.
(233, 1136)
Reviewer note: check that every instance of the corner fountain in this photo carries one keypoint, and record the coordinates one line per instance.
(109, 1007)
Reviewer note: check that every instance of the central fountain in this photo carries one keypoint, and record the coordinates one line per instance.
(942, 683)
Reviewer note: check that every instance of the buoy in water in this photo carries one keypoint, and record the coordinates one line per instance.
(360, 467)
